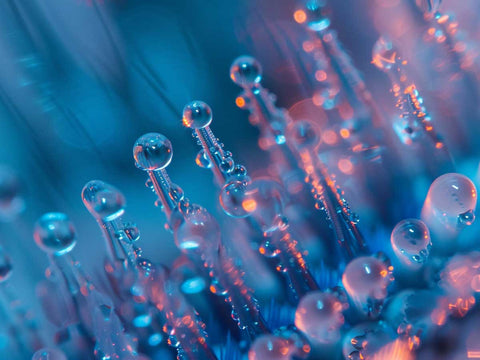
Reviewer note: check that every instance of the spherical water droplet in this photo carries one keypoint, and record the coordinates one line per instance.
(319, 316)
(103, 200)
(450, 203)
(314, 15)
(202, 160)
(54, 233)
(198, 232)
(428, 6)
(231, 199)
(246, 71)
(467, 218)
(197, 115)
(49, 354)
(304, 133)
(152, 151)
(384, 54)
(132, 231)
(410, 241)
(366, 279)
(271, 347)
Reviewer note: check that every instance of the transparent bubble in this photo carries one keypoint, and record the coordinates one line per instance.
(202, 160)
(198, 232)
(152, 151)
(271, 347)
(246, 71)
(313, 15)
(197, 115)
(11, 198)
(232, 196)
(319, 316)
(410, 241)
(263, 200)
(384, 54)
(304, 134)
(49, 354)
(54, 233)
(366, 279)
(131, 231)
(428, 6)
(450, 203)
(103, 200)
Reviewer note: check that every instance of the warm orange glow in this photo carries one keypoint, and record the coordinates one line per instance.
(439, 145)
(300, 16)
(345, 111)
(345, 133)
(473, 354)
(240, 102)
(249, 205)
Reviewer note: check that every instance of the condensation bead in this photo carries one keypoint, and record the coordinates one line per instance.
(197, 115)
(319, 316)
(364, 340)
(410, 241)
(304, 134)
(152, 151)
(450, 204)
(232, 197)
(202, 160)
(103, 200)
(366, 279)
(49, 354)
(198, 231)
(54, 233)
(264, 200)
(384, 54)
(246, 71)
(315, 16)
(271, 347)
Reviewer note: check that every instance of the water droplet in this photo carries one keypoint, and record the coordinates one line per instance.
(202, 160)
(384, 54)
(246, 71)
(197, 115)
(49, 354)
(152, 151)
(319, 316)
(410, 241)
(54, 233)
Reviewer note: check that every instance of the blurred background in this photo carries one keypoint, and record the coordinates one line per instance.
(81, 80)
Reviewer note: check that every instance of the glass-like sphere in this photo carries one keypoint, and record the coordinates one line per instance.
(319, 316)
(384, 54)
(198, 232)
(313, 15)
(428, 6)
(271, 347)
(49, 354)
(103, 200)
(54, 233)
(197, 115)
(451, 201)
(367, 276)
(304, 134)
(246, 71)
(232, 196)
(410, 241)
(152, 151)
